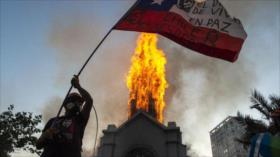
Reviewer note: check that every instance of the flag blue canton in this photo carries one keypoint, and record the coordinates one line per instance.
(152, 5)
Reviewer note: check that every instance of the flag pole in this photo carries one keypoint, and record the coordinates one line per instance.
(93, 52)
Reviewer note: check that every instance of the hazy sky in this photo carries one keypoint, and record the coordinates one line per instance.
(43, 43)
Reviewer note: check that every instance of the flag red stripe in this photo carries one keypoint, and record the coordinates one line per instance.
(171, 25)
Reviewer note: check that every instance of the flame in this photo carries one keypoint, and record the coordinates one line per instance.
(146, 78)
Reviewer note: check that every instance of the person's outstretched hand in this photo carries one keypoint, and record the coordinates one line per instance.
(75, 82)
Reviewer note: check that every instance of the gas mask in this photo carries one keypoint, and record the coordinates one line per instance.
(73, 108)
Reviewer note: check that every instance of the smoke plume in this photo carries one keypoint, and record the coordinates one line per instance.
(202, 90)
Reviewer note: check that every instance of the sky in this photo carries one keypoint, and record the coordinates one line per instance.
(44, 43)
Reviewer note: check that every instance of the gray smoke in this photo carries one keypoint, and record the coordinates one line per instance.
(51, 108)
(73, 39)
(202, 90)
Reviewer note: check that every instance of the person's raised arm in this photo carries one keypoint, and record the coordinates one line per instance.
(86, 96)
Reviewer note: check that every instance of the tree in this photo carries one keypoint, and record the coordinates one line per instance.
(17, 131)
(270, 111)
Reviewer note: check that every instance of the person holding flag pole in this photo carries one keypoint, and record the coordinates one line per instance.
(62, 136)
(204, 27)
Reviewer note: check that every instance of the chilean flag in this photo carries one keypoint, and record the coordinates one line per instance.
(205, 27)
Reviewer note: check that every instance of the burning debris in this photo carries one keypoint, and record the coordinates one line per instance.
(146, 79)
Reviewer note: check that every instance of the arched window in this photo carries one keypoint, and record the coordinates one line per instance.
(140, 152)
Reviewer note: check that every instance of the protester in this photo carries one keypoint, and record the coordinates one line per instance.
(62, 136)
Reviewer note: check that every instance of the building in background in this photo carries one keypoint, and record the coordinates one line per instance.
(223, 141)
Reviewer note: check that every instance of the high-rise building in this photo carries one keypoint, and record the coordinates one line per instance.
(223, 141)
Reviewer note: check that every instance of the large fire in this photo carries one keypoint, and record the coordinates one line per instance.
(146, 79)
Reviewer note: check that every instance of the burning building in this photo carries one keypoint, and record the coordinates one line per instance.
(143, 134)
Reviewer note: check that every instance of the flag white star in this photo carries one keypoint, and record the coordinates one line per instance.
(157, 2)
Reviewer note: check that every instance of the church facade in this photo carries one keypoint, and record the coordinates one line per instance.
(142, 136)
